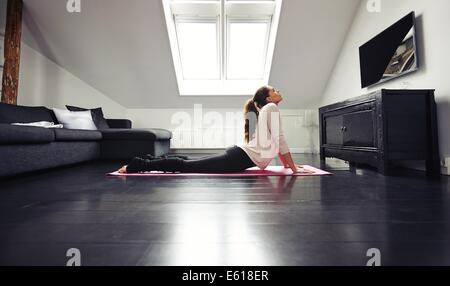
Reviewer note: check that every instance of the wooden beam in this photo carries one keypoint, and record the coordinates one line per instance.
(13, 35)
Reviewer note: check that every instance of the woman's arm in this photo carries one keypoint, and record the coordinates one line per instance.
(289, 162)
(277, 134)
(280, 156)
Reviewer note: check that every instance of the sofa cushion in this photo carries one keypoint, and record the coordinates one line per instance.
(24, 114)
(120, 123)
(75, 119)
(77, 135)
(97, 116)
(10, 134)
(136, 134)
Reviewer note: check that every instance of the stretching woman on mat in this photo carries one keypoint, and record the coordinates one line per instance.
(264, 139)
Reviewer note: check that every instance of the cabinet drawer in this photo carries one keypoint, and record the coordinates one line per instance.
(333, 130)
(359, 129)
(353, 126)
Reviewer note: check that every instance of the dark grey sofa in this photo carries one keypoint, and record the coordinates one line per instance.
(26, 149)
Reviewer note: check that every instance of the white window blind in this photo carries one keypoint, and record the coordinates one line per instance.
(247, 48)
(199, 51)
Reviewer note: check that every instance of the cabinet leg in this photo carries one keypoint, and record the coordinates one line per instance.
(432, 163)
(322, 158)
(323, 163)
(322, 154)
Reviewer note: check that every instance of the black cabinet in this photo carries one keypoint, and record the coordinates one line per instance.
(382, 127)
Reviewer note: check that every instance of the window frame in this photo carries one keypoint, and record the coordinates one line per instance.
(241, 20)
(199, 20)
(224, 86)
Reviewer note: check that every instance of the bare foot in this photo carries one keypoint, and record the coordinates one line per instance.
(123, 170)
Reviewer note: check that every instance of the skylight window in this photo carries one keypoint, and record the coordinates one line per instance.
(199, 50)
(247, 49)
(222, 47)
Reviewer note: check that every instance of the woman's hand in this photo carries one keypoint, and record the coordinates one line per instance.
(123, 170)
(301, 170)
(287, 160)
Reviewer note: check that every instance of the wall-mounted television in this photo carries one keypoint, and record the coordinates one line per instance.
(390, 54)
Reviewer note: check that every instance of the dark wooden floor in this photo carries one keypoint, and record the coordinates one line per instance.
(224, 221)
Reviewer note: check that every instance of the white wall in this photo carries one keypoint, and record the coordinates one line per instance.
(42, 82)
(433, 22)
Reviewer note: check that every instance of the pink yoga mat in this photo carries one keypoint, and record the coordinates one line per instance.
(252, 172)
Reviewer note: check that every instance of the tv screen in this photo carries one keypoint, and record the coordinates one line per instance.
(390, 54)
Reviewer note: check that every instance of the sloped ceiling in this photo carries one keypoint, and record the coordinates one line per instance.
(122, 49)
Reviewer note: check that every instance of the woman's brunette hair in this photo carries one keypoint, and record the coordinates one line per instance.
(251, 109)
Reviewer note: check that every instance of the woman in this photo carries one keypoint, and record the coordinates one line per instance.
(264, 139)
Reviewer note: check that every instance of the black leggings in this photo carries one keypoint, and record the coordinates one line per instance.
(234, 159)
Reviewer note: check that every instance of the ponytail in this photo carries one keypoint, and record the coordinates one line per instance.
(250, 112)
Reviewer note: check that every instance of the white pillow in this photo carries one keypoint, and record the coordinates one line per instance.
(75, 119)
